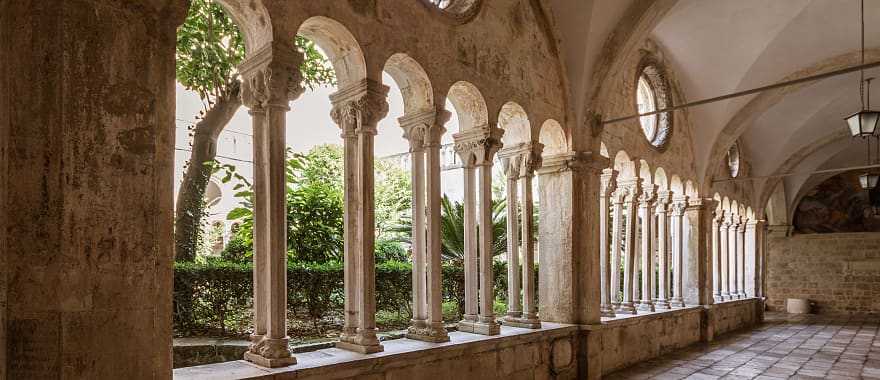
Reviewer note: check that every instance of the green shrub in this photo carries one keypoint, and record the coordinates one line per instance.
(222, 294)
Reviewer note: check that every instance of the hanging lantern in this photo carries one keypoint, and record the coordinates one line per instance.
(863, 123)
(869, 180)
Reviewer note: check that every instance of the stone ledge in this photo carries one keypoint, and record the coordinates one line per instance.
(630, 319)
(397, 353)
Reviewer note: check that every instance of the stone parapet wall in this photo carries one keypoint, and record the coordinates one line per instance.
(630, 340)
(549, 353)
(840, 273)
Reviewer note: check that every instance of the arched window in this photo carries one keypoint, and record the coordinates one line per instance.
(733, 160)
(652, 94)
(647, 103)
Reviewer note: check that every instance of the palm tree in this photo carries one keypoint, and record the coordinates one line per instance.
(452, 229)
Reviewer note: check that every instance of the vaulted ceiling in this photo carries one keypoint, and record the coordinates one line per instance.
(722, 46)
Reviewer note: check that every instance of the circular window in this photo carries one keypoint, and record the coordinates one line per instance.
(646, 103)
(459, 10)
(733, 160)
(652, 95)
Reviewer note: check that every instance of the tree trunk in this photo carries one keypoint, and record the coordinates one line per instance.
(190, 206)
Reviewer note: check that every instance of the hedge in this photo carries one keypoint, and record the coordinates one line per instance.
(216, 297)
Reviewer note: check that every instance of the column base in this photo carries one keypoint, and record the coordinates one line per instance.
(626, 308)
(646, 306)
(480, 327)
(606, 311)
(526, 323)
(661, 305)
(435, 333)
(364, 342)
(270, 353)
(725, 297)
(717, 298)
(269, 362)
(677, 303)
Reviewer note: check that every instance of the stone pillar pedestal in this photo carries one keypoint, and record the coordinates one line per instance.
(268, 95)
(569, 270)
(697, 260)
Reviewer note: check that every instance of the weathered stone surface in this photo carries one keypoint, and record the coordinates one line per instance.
(839, 272)
(516, 353)
(89, 256)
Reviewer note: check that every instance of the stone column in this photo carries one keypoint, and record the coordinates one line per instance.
(618, 197)
(420, 129)
(662, 300)
(741, 257)
(569, 250)
(733, 249)
(608, 183)
(364, 104)
(511, 164)
(723, 233)
(716, 256)
(697, 256)
(679, 203)
(646, 218)
(271, 80)
(627, 305)
(482, 144)
(527, 157)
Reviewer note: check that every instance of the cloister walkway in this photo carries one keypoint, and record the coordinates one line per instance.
(786, 346)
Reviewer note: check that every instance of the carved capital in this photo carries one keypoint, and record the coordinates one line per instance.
(478, 146)
(359, 107)
(647, 195)
(271, 77)
(511, 166)
(679, 204)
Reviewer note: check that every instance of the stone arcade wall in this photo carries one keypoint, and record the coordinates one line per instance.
(839, 272)
(91, 137)
(515, 354)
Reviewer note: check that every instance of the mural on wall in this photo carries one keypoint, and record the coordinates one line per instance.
(839, 204)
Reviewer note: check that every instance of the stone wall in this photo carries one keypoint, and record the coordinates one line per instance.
(4, 130)
(730, 316)
(515, 354)
(839, 272)
(630, 340)
(91, 137)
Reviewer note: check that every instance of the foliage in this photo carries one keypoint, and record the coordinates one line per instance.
(315, 206)
(210, 47)
(452, 229)
(222, 294)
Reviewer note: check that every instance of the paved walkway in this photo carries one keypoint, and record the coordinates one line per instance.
(786, 346)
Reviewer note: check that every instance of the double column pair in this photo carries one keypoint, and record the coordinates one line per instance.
(520, 162)
(357, 109)
(477, 147)
(424, 130)
(270, 80)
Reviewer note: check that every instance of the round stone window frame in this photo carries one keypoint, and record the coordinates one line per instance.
(734, 160)
(457, 11)
(655, 75)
